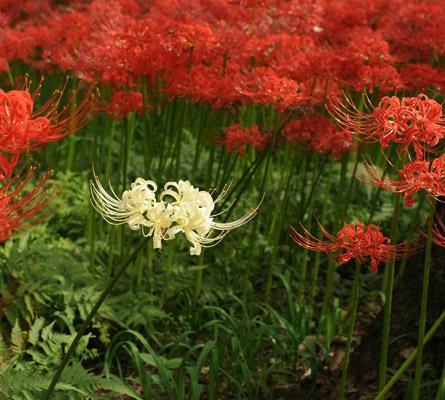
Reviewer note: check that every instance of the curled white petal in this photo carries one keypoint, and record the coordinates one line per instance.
(110, 206)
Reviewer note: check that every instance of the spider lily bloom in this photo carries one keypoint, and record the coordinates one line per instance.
(412, 120)
(181, 208)
(128, 209)
(318, 134)
(22, 128)
(7, 164)
(359, 242)
(438, 233)
(237, 138)
(123, 103)
(415, 176)
(19, 207)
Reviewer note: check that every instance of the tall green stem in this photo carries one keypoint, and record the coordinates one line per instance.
(388, 285)
(423, 305)
(441, 387)
(384, 391)
(352, 318)
(89, 318)
(198, 278)
(316, 266)
(338, 220)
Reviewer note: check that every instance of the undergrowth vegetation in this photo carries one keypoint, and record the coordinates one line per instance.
(235, 191)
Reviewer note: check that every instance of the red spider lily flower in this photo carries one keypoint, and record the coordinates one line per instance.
(359, 242)
(238, 137)
(124, 102)
(412, 120)
(318, 134)
(264, 86)
(7, 164)
(19, 206)
(419, 77)
(415, 176)
(438, 233)
(22, 128)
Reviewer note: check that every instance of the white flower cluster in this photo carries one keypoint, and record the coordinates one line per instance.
(181, 208)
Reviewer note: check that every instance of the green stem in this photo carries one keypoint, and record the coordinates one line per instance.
(316, 267)
(347, 200)
(303, 268)
(314, 185)
(388, 285)
(89, 318)
(414, 223)
(72, 142)
(441, 387)
(169, 268)
(353, 316)
(110, 150)
(384, 391)
(423, 305)
(198, 278)
(338, 220)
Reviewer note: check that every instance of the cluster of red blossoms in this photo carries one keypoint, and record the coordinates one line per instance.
(416, 121)
(359, 242)
(238, 137)
(123, 103)
(413, 177)
(409, 123)
(293, 51)
(314, 133)
(22, 129)
(20, 206)
(317, 133)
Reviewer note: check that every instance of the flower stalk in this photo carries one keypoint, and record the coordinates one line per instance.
(395, 378)
(353, 315)
(388, 285)
(423, 304)
(65, 359)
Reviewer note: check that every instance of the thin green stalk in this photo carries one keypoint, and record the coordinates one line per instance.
(352, 318)
(149, 257)
(91, 234)
(414, 223)
(388, 285)
(385, 390)
(169, 268)
(441, 387)
(347, 200)
(338, 220)
(423, 304)
(306, 167)
(388, 289)
(376, 191)
(242, 184)
(71, 152)
(314, 185)
(246, 281)
(89, 318)
(316, 266)
(110, 150)
(246, 285)
(303, 268)
(91, 226)
(198, 278)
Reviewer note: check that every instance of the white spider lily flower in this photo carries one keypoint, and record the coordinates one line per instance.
(194, 215)
(182, 208)
(159, 220)
(184, 193)
(130, 208)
